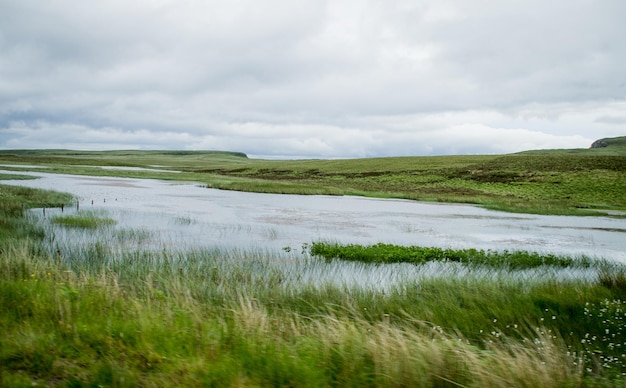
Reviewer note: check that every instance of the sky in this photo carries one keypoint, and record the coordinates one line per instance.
(312, 78)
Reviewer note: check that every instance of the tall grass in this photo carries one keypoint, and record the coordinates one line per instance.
(14, 200)
(94, 327)
(83, 219)
(113, 312)
(241, 315)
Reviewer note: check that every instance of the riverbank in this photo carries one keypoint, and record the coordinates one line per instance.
(588, 182)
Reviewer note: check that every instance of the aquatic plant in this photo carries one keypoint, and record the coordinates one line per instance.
(390, 253)
(83, 219)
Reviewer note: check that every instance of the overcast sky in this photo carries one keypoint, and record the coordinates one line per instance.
(312, 78)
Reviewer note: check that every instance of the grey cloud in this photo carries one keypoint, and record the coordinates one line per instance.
(314, 78)
(617, 120)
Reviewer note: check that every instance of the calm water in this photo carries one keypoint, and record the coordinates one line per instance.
(188, 215)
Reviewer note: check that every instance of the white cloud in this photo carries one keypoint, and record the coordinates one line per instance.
(312, 78)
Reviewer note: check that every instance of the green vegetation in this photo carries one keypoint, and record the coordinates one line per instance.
(614, 142)
(389, 253)
(611, 146)
(13, 201)
(96, 329)
(117, 158)
(575, 182)
(16, 177)
(93, 314)
(114, 309)
(83, 219)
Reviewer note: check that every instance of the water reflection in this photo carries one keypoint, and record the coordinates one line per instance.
(189, 215)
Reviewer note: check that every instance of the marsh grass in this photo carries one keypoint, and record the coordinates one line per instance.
(83, 219)
(268, 326)
(14, 200)
(16, 177)
(129, 326)
(185, 220)
(388, 253)
(109, 311)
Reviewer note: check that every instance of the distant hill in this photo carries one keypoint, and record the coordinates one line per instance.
(610, 146)
(612, 142)
(126, 158)
(113, 153)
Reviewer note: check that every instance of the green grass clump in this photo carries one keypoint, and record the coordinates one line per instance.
(83, 219)
(389, 253)
(14, 200)
(16, 177)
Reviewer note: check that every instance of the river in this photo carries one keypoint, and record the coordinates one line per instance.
(188, 214)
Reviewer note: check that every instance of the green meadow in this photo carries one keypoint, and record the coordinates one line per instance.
(97, 315)
(574, 182)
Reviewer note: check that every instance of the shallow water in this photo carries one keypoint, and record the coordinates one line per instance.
(189, 215)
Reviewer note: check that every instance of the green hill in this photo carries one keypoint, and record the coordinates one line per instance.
(127, 158)
(612, 143)
(607, 146)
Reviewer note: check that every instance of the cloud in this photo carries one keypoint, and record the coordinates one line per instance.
(311, 78)
(617, 120)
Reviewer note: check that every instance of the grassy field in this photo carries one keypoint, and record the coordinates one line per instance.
(581, 182)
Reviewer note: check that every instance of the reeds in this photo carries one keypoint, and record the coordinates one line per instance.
(84, 219)
(212, 315)
(110, 307)
(97, 328)
(389, 253)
